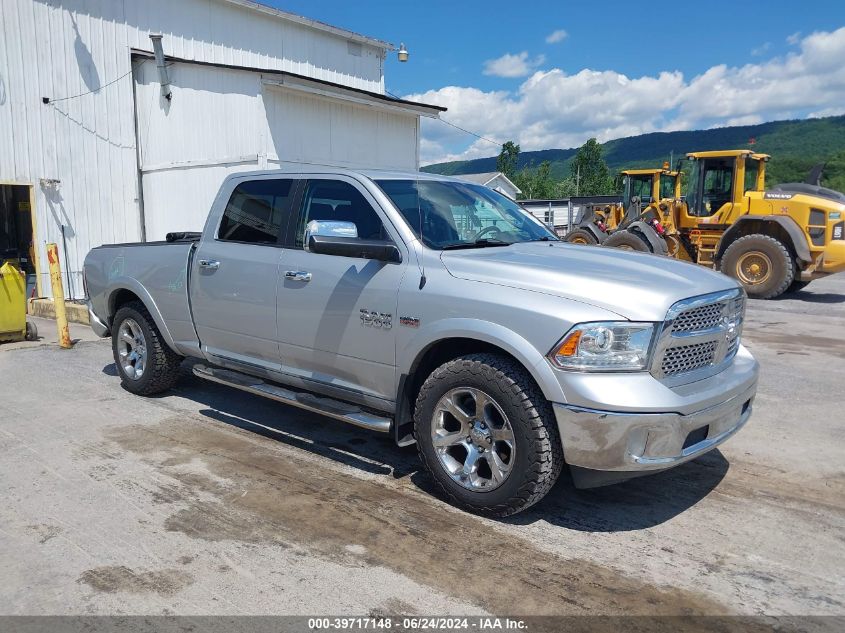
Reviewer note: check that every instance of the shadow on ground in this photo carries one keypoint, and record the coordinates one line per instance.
(632, 505)
(807, 296)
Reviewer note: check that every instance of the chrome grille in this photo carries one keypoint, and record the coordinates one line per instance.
(703, 318)
(684, 358)
(700, 333)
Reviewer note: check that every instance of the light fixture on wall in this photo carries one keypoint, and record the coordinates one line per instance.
(402, 54)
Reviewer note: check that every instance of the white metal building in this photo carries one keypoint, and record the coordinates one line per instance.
(92, 152)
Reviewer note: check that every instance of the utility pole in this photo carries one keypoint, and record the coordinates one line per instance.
(578, 181)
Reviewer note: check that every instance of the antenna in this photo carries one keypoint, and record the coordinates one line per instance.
(422, 241)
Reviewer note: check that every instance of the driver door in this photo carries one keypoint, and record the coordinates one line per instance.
(337, 315)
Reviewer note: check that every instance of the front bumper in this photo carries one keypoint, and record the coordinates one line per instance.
(100, 328)
(604, 446)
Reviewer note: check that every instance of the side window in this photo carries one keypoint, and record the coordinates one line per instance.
(339, 201)
(255, 211)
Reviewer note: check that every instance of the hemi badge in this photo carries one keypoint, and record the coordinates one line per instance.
(409, 321)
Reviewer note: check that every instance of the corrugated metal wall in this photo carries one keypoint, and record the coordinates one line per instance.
(64, 48)
(223, 120)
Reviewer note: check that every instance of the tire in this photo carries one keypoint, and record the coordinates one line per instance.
(761, 263)
(627, 240)
(159, 365)
(522, 435)
(581, 236)
(31, 331)
(797, 285)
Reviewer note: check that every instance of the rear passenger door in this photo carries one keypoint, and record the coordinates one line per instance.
(327, 331)
(233, 286)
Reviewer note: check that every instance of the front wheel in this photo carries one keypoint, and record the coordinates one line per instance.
(627, 241)
(581, 236)
(761, 263)
(487, 435)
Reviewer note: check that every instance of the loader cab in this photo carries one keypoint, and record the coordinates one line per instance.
(718, 182)
(645, 184)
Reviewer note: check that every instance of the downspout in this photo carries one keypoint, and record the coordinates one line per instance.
(164, 80)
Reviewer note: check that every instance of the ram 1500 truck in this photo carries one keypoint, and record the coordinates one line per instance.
(443, 313)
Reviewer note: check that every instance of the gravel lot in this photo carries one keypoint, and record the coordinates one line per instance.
(210, 501)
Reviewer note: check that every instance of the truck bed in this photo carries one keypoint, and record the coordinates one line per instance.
(157, 273)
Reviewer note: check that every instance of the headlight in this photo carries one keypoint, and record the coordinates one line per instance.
(605, 346)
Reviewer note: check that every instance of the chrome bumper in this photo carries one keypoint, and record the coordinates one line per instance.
(99, 327)
(637, 443)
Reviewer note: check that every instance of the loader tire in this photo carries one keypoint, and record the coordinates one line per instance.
(761, 263)
(627, 241)
(145, 364)
(581, 236)
(487, 435)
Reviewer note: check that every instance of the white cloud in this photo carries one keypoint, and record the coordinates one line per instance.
(793, 39)
(508, 65)
(555, 109)
(761, 50)
(556, 36)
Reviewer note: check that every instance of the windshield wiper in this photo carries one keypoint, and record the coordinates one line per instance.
(546, 238)
(480, 243)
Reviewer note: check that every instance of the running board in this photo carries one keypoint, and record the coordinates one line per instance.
(308, 401)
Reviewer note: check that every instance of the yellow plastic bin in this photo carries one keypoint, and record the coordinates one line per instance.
(13, 323)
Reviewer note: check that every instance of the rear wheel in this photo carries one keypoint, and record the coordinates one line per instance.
(761, 263)
(627, 241)
(487, 435)
(145, 364)
(580, 236)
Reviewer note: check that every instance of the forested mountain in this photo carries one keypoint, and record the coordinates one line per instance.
(795, 147)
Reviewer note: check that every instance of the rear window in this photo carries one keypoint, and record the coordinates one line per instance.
(255, 211)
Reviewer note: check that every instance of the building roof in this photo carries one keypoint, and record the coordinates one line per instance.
(486, 178)
(426, 109)
(315, 24)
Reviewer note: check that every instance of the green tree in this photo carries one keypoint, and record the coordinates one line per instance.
(508, 159)
(590, 172)
(536, 182)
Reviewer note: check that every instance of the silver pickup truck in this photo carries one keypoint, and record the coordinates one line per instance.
(443, 313)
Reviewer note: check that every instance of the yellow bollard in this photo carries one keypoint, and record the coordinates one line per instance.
(58, 295)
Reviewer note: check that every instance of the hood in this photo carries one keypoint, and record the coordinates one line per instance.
(637, 286)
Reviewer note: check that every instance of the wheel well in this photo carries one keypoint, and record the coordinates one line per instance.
(751, 227)
(431, 358)
(120, 298)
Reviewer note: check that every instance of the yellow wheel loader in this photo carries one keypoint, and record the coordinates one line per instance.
(640, 186)
(771, 241)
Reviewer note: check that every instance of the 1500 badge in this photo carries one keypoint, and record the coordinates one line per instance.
(376, 319)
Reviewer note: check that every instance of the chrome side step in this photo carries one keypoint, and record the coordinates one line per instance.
(325, 406)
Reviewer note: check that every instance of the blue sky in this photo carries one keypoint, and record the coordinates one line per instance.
(613, 57)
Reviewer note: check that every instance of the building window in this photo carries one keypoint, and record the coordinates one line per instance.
(255, 211)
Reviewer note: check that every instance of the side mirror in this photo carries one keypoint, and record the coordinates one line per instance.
(330, 237)
(329, 228)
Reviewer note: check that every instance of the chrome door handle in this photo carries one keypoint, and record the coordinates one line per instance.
(297, 275)
(211, 264)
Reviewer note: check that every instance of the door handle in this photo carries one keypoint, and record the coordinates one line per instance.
(211, 264)
(297, 275)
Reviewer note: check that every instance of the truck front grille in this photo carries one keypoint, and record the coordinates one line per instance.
(684, 358)
(700, 333)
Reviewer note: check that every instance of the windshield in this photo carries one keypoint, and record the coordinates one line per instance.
(637, 185)
(456, 215)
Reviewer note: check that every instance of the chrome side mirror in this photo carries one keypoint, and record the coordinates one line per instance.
(329, 228)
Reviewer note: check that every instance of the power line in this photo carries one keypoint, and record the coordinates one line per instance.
(458, 127)
(47, 100)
